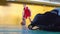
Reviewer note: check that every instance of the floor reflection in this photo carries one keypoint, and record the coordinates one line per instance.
(23, 30)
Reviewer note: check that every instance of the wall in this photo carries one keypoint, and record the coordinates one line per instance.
(12, 14)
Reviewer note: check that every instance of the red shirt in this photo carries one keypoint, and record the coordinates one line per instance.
(27, 12)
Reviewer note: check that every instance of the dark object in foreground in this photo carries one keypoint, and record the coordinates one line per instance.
(48, 21)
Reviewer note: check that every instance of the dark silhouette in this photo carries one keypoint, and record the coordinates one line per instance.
(48, 21)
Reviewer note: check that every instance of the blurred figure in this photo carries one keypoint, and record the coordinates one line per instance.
(26, 14)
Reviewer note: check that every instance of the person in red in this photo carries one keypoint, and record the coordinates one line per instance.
(26, 14)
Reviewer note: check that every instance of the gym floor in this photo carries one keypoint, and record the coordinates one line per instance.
(22, 30)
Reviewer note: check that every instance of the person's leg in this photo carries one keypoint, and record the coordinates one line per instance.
(23, 21)
(29, 19)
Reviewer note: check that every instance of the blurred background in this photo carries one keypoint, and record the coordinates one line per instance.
(11, 12)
